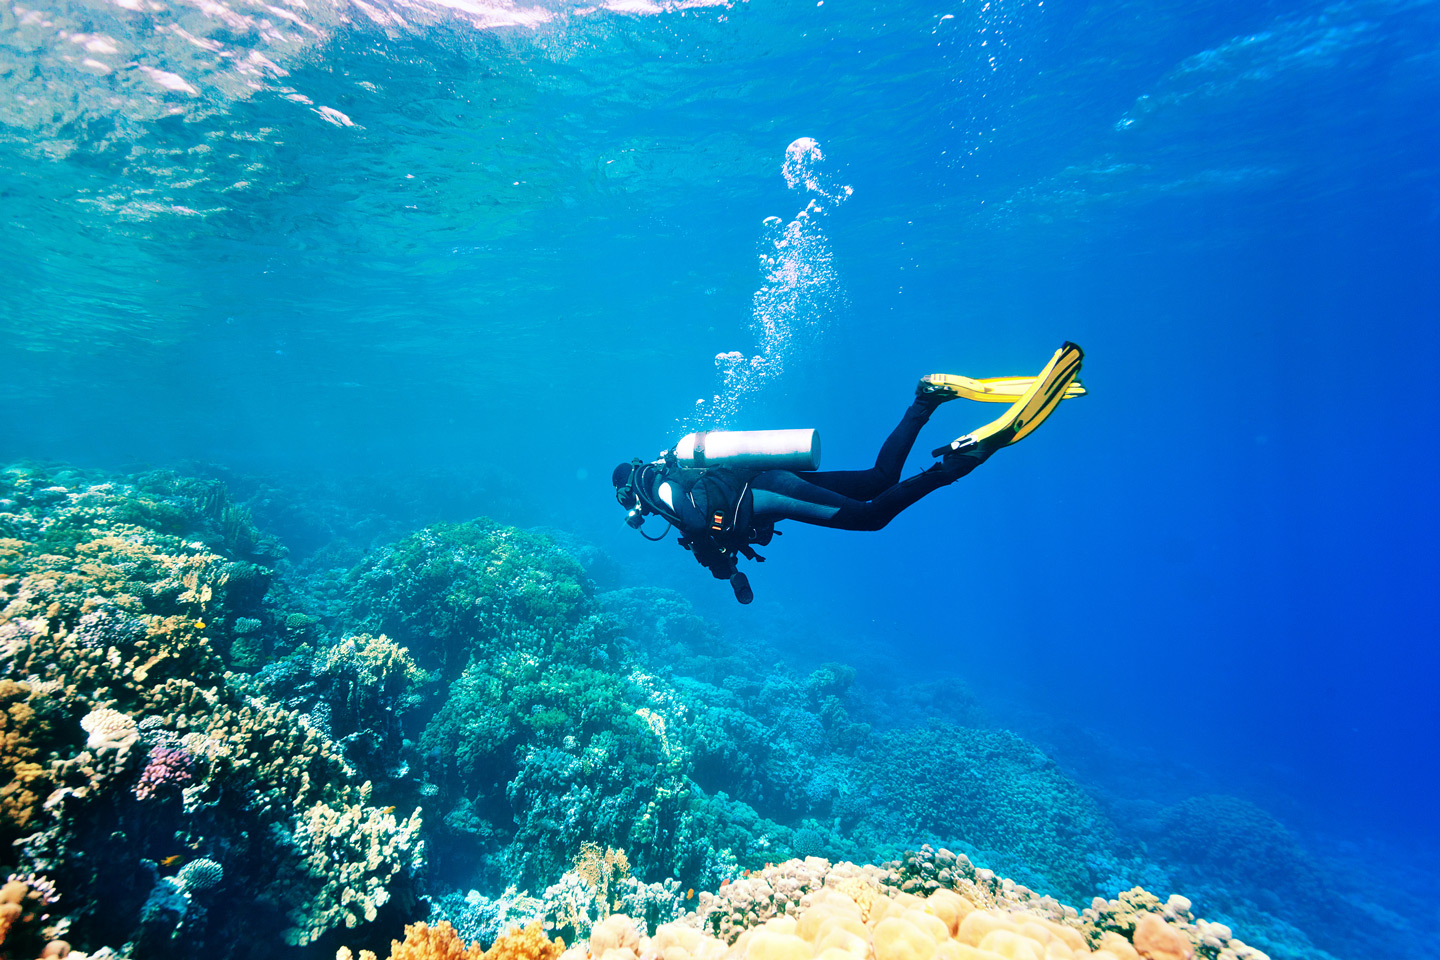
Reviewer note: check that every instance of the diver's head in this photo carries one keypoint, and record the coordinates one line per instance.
(626, 480)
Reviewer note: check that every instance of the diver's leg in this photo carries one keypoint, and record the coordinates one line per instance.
(782, 495)
(864, 484)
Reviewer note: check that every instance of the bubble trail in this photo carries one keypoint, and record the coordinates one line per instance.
(800, 294)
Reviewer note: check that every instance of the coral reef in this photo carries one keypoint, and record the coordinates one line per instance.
(25, 923)
(465, 590)
(991, 790)
(840, 911)
(120, 711)
(213, 748)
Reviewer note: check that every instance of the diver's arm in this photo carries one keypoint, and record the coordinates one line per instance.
(675, 495)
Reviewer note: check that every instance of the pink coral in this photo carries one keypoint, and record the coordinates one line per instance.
(168, 767)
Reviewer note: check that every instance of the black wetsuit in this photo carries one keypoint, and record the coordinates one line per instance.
(858, 499)
(841, 499)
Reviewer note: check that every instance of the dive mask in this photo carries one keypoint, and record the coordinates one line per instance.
(627, 496)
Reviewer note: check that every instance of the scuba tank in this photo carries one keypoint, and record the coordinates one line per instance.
(750, 450)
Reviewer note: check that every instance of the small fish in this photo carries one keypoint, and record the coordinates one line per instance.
(171, 860)
(690, 894)
(200, 624)
(388, 810)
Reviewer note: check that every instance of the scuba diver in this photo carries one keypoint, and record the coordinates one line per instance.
(725, 490)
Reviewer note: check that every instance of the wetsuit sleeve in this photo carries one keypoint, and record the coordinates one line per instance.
(692, 522)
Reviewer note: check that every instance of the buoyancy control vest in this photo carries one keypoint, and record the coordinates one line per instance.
(721, 526)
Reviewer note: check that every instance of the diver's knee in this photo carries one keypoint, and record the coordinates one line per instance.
(870, 521)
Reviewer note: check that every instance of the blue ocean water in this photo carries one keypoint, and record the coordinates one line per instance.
(418, 244)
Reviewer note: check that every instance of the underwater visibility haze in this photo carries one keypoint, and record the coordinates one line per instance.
(324, 323)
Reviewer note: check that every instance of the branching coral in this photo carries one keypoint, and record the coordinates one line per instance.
(22, 734)
(601, 869)
(375, 668)
(167, 770)
(351, 853)
(366, 685)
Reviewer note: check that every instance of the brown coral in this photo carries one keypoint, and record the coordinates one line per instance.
(20, 728)
(599, 869)
(12, 895)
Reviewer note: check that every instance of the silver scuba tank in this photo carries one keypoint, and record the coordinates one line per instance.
(750, 449)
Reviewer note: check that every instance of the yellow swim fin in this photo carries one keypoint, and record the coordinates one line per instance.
(989, 389)
(1038, 401)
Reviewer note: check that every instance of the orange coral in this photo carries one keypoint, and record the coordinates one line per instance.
(13, 896)
(440, 942)
(528, 944)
